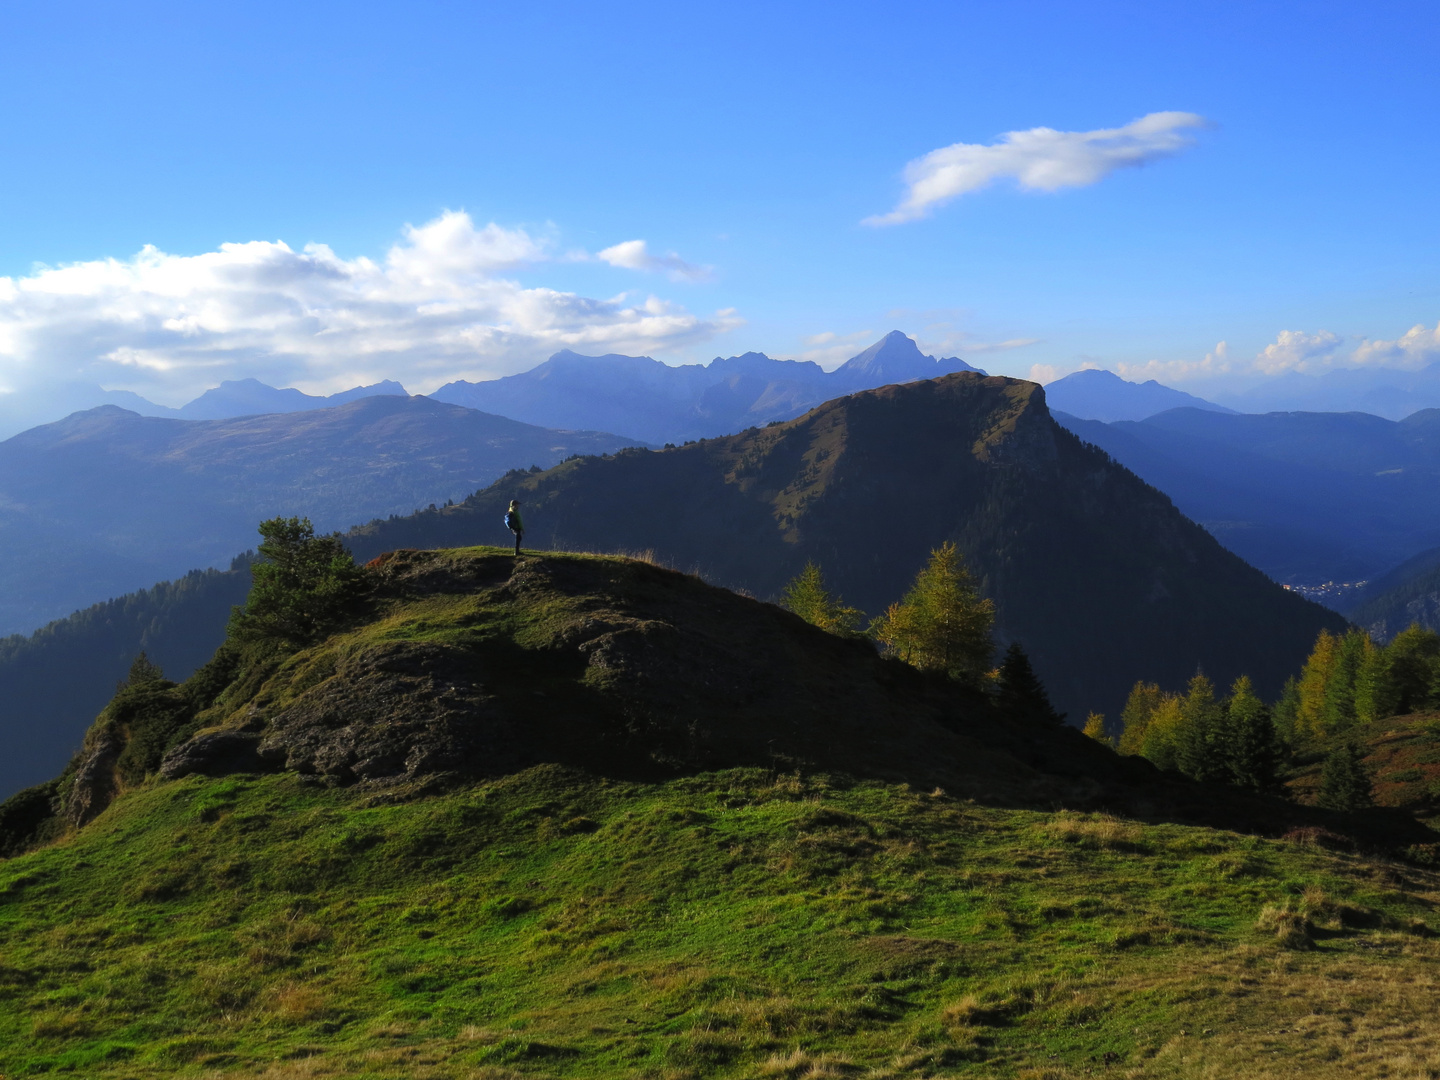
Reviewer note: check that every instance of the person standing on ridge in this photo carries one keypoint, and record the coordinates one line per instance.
(514, 524)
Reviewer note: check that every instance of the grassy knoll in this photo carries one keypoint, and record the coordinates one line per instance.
(735, 923)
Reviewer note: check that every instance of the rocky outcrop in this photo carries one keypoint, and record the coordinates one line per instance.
(214, 753)
(394, 712)
(94, 785)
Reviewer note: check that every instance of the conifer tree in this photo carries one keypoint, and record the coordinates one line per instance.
(143, 670)
(1250, 744)
(1339, 711)
(1140, 707)
(1019, 694)
(1374, 688)
(1413, 658)
(1314, 678)
(300, 585)
(941, 624)
(1199, 752)
(1095, 729)
(1344, 781)
(807, 597)
(1286, 713)
(1160, 743)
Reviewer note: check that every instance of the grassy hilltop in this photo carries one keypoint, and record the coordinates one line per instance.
(570, 816)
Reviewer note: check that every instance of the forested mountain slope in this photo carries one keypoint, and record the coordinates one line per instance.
(53, 682)
(1100, 577)
(107, 501)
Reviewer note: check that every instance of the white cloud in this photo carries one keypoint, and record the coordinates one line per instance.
(1419, 346)
(435, 309)
(1217, 361)
(830, 350)
(635, 255)
(1041, 159)
(1295, 350)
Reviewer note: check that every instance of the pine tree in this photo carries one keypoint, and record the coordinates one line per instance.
(1344, 782)
(1314, 678)
(1198, 750)
(941, 624)
(1140, 707)
(807, 597)
(1019, 694)
(1374, 690)
(1095, 729)
(1251, 750)
(300, 586)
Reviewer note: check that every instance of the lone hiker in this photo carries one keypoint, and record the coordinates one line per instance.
(514, 524)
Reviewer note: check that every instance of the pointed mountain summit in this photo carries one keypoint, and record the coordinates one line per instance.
(642, 398)
(895, 358)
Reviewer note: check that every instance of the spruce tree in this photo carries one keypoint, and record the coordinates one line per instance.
(1344, 782)
(1250, 745)
(1019, 694)
(941, 624)
(807, 597)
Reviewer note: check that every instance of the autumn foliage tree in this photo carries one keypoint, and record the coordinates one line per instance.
(942, 623)
(807, 596)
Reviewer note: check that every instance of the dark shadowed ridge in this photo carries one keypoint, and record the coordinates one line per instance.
(1097, 573)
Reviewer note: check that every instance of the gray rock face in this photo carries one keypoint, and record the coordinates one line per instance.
(215, 753)
(94, 784)
(391, 713)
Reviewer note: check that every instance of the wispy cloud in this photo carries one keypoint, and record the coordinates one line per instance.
(436, 308)
(1040, 159)
(636, 255)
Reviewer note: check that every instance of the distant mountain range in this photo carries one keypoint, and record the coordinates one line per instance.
(1306, 497)
(107, 501)
(1389, 392)
(1102, 395)
(242, 397)
(658, 403)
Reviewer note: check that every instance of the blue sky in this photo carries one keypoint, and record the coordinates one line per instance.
(744, 145)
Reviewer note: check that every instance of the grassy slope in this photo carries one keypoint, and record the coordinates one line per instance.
(1402, 755)
(553, 924)
(742, 922)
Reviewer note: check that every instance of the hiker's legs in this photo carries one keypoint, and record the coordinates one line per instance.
(517, 543)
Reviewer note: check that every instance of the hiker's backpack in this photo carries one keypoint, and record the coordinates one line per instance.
(512, 519)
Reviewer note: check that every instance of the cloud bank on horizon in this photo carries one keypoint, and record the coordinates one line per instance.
(1040, 159)
(1292, 352)
(436, 308)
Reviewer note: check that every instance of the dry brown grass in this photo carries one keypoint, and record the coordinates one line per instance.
(1094, 831)
(799, 1065)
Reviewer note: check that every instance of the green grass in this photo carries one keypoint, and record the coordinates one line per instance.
(733, 924)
